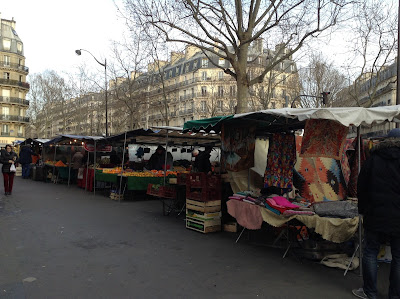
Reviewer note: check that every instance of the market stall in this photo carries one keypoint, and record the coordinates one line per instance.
(321, 158)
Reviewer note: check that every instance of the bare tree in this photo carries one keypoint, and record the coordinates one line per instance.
(374, 49)
(320, 76)
(227, 28)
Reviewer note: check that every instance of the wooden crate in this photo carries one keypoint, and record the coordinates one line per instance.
(173, 181)
(203, 226)
(203, 216)
(203, 206)
(230, 227)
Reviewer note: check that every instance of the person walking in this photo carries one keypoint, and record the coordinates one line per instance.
(378, 191)
(77, 162)
(8, 159)
(25, 158)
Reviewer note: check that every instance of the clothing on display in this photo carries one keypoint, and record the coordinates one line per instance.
(323, 138)
(280, 161)
(238, 146)
(353, 159)
(340, 209)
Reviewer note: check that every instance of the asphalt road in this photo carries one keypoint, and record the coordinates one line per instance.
(61, 242)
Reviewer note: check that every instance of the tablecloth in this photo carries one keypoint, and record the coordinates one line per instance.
(106, 177)
(337, 230)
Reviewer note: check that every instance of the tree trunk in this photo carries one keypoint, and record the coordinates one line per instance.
(242, 96)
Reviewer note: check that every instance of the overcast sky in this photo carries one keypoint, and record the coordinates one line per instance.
(52, 30)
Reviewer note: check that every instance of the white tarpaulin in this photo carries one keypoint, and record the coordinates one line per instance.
(345, 115)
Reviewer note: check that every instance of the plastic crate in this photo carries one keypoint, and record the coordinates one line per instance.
(213, 182)
(197, 180)
(152, 191)
(167, 192)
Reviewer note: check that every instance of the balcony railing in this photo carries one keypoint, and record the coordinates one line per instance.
(15, 66)
(16, 118)
(20, 135)
(13, 100)
(5, 133)
(15, 83)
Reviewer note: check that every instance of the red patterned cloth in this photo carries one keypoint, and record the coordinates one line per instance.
(323, 138)
(281, 160)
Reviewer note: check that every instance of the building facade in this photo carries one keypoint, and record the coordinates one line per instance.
(13, 85)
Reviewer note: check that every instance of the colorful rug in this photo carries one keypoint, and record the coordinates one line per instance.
(281, 160)
(318, 178)
(238, 146)
(323, 138)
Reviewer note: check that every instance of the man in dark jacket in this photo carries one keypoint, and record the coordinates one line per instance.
(25, 158)
(378, 191)
(8, 158)
(202, 162)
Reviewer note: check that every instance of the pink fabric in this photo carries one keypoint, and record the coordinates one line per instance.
(246, 214)
(282, 201)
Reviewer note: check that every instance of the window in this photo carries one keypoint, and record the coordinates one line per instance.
(177, 70)
(20, 78)
(221, 62)
(204, 62)
(19, 129)
(389, 102)
(5, 129)
(6, 76)
(184, 93)
(220, 91)
(192, 92)
(204, 91)
(21, 112)
(187, 68)
(6, 94)
(283, 79)
(20, 62)
(6, 60)
(7, 44)
(19, 47)
(204, 76)
(273, 105)
(220, 75)
(292, 67)
(273, 92)
(219, 105)
(6, 110)
(232, 91)
(203, 106)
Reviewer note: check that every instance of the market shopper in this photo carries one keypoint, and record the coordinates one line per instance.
(157, 160)
(77, 162)
(202, 161)
(378, 194)
(25, 159)
(8, 158)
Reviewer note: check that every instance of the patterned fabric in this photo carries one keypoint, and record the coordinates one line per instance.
(346, 170)
(318, 178)
(323, 138)
(352, 185)
(280, 163)
(238, 146)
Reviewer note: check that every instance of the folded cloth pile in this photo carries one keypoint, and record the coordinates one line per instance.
(280, 205)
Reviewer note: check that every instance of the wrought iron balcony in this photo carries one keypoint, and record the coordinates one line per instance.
(5, 133)
(15, 83)
(16, 118)
(14, 66)
(14, 100)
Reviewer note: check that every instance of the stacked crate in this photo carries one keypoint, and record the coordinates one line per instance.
(203, 202)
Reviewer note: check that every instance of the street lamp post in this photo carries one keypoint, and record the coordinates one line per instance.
(79, 52)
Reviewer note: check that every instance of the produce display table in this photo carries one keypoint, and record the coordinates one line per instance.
(135, 183)
(106, 177)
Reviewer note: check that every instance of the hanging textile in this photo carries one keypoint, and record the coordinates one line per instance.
(318, 178)
(345, 165)
(352, 186)
(323, 138)
(238, 145)
(280, 162)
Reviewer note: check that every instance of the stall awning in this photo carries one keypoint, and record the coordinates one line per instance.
(159, 136)
(294, 118)
(207, 124)
(66, 138)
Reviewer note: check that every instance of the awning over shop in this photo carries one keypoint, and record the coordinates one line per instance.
(207, 124)
(294, 118)
(64, 139)
(159, 135)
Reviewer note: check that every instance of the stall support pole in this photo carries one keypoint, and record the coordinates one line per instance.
(122, 171)
(54, 164)
(87, 170)
(94, 170)
(69, 166)
(359, 216)
(165, 162)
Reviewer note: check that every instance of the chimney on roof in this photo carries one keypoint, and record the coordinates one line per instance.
(190, 50)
